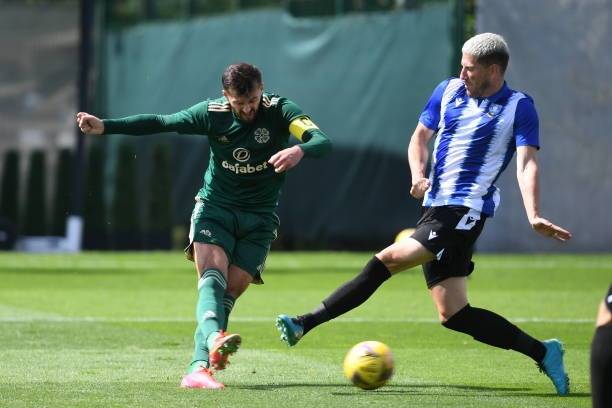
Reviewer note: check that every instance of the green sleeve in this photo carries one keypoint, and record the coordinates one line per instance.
(315, 143)
(193, 120)
(289, 110)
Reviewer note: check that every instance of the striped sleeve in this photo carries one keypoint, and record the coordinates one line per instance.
(430, 117)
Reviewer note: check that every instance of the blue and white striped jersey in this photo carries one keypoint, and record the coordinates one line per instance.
(476, 139)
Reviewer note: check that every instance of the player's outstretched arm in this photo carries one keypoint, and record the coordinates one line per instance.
(185, 121)
(89, 124)
(527, 175)
(417, 159)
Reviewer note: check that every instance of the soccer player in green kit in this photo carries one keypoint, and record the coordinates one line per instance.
(234, 221)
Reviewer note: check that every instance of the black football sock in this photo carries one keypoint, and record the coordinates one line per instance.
(314, 318)
(348, 296)
(601, 367)
(492, 329)
(529, 346)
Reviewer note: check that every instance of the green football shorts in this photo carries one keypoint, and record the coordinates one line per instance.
(244, 236)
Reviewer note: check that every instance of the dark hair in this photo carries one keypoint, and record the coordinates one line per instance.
(500, 58)
(241, 78)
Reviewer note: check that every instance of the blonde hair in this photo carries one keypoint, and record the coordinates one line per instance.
(488, 48)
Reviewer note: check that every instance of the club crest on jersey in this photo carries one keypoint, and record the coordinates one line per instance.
(262, 135)
(494, 110)
(241, 154)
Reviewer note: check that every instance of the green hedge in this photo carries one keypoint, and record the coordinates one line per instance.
(35, 216)
(61, 196)
(159, 216)
(125, 206)
(9, 191)
(95, 218)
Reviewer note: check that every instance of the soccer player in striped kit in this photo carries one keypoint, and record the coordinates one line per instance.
(479, 123)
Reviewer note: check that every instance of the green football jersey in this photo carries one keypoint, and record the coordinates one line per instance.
(238, 173)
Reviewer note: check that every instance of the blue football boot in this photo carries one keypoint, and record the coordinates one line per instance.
(290, 329)
(552, 366)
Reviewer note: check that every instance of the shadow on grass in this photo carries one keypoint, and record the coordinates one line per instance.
(416, 389)
(387, 389)
(550, 395)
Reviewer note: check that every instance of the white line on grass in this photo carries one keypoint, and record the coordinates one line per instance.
(253, 319)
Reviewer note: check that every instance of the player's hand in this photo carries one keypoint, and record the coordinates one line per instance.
(89, 124)
(419, 187)
(548, 229)
(286, 158)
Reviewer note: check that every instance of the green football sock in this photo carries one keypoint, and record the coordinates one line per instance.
(228, 305)
(200, 351)
(209, 311)
(198, 363)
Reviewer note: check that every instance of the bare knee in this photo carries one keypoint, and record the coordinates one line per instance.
(235, 289)
(443, 316)
(404, 255)
(207, 256)
(389, 258)
(393, 259)
(449, 296)
(238, 281)
(445, 313)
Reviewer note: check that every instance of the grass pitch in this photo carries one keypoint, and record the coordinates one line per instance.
(115, 330)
